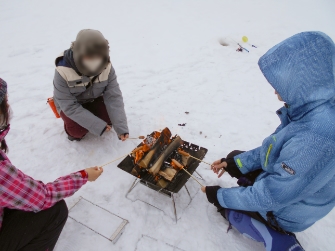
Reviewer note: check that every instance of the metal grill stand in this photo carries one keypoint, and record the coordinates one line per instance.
(171, 204)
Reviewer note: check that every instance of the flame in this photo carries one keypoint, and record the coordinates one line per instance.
(157, 178)
(156, 135)
(145, 148)
(166, 135)
(138, 156)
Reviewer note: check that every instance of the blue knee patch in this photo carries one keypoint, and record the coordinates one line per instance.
(272, 240)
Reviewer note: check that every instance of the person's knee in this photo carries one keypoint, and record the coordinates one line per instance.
(63, 211)
(76, 131)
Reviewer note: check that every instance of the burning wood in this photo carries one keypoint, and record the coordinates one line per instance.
(138, 156)
(137, 149)
(145, 161)
(162, 139)
(139, 152)
(159, 159)
(176, 143)
(168, 173)
(162, 183)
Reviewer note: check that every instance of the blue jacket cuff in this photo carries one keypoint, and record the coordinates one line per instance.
(220, 197)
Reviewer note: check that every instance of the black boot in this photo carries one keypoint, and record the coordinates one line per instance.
(72, 138)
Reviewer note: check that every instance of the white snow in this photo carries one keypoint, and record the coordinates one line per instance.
(168, 60)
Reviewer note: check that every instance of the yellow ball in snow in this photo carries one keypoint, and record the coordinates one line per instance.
(245, 39)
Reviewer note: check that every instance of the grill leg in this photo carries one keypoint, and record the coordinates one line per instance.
(132, 186)
(200, 177)
(174, 207)
(188, 192)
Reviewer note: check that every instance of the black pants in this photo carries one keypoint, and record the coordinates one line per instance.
(29, 231)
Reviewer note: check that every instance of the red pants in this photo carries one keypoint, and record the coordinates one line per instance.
(97, 107)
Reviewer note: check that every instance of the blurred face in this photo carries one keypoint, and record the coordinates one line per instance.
(279, 98)
(92, 63)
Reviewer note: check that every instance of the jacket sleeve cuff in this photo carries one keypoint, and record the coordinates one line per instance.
(232, 168)
(84, 174)
(211, 193)
(124, 134)
(220, 197)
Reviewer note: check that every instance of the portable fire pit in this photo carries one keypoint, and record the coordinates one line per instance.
(151, 163)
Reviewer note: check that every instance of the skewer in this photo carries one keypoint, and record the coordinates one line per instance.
(189, 155)
(140, 137)
(115, 159)
(182, 167)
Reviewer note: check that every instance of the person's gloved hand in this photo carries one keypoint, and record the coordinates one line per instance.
(243, 181)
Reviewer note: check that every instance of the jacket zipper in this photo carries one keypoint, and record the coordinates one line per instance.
(267, 155)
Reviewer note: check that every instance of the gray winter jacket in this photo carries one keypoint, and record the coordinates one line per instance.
(72, 90)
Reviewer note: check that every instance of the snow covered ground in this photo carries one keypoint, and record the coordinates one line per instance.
(169, 60)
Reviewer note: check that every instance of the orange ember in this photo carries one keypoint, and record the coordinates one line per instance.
(145, 148)
(156, 135)
(157, 178)
(138, 156)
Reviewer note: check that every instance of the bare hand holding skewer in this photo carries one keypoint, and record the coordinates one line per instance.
(93, 173)
(218, 167)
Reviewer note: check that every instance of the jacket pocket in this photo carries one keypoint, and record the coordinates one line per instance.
(100, 85)
(77, 90)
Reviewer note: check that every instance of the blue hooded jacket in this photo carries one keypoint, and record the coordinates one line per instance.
(298, 161)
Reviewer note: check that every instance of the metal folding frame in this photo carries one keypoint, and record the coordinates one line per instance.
(163, 192)
(154, 239)
(117, 233)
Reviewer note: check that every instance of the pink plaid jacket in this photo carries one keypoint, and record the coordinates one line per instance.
(19, 191)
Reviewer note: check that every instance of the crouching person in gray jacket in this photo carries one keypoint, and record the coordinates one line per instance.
(86, 92)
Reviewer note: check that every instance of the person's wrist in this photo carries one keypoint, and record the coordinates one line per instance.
(84, 174)
(211, 193)
(123, 134)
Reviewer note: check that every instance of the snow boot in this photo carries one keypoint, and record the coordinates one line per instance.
(72, 138)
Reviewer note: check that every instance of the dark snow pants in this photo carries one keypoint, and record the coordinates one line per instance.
(97, 107)
(254, 226)
(29, 231)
